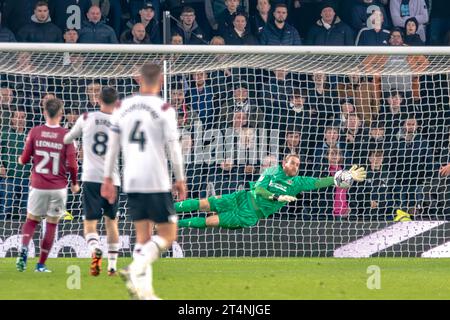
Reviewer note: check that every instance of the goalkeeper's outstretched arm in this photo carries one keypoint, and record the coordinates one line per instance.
(287, 174)
(358, 174)
(265, 194)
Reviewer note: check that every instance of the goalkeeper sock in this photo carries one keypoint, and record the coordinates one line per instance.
(93, 241)
(113, 253)
(27, 232)
(47, 242)
(197, 222)
(187, 205)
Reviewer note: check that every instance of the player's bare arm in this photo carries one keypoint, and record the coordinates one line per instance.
(445, 170)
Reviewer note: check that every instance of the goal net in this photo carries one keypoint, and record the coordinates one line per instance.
(242, 110)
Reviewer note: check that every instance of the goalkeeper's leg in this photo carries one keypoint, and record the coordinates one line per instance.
(233, 213)
(199, 222)
(225, 220)
(229, 214)
(190, 205)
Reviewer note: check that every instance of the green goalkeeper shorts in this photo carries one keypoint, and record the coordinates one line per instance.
(235, 210)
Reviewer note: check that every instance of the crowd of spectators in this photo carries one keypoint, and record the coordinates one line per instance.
(402, 140)
(238, 22)
(236, 122)
(397, 126)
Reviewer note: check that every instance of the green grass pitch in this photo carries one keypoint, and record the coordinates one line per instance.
(241, 278)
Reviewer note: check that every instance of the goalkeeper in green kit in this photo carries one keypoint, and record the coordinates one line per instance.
(274, 189)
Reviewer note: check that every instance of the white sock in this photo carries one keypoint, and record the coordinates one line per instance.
(137, 249)
(148, 253)
(113, 253)
(138, 257)
(148, 284)
(154, 248)
(93, 241)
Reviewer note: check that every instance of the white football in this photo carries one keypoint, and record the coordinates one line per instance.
(343, 179)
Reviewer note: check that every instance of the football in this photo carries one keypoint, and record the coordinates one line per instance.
(343, 179)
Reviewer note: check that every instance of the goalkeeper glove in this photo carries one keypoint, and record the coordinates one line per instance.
(358, 173)
(284, 198)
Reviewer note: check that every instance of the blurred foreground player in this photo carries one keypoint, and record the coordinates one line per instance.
(143, 127)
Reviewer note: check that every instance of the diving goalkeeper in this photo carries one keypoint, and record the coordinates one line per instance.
(276, 187)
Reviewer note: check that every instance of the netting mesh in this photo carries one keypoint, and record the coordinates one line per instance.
(241, 113)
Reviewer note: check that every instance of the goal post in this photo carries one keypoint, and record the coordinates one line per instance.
(241, 110)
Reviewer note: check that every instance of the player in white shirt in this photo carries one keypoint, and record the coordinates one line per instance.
(93, 127)
(144, 127)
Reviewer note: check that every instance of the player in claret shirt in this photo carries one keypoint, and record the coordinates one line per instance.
(274, 189)
(52, 160)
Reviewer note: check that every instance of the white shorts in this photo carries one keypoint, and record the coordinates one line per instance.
(50, 203)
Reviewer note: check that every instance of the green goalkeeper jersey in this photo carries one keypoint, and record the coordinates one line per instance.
(275, 181)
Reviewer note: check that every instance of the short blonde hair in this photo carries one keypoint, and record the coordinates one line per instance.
(286, 158)
(217, 41)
